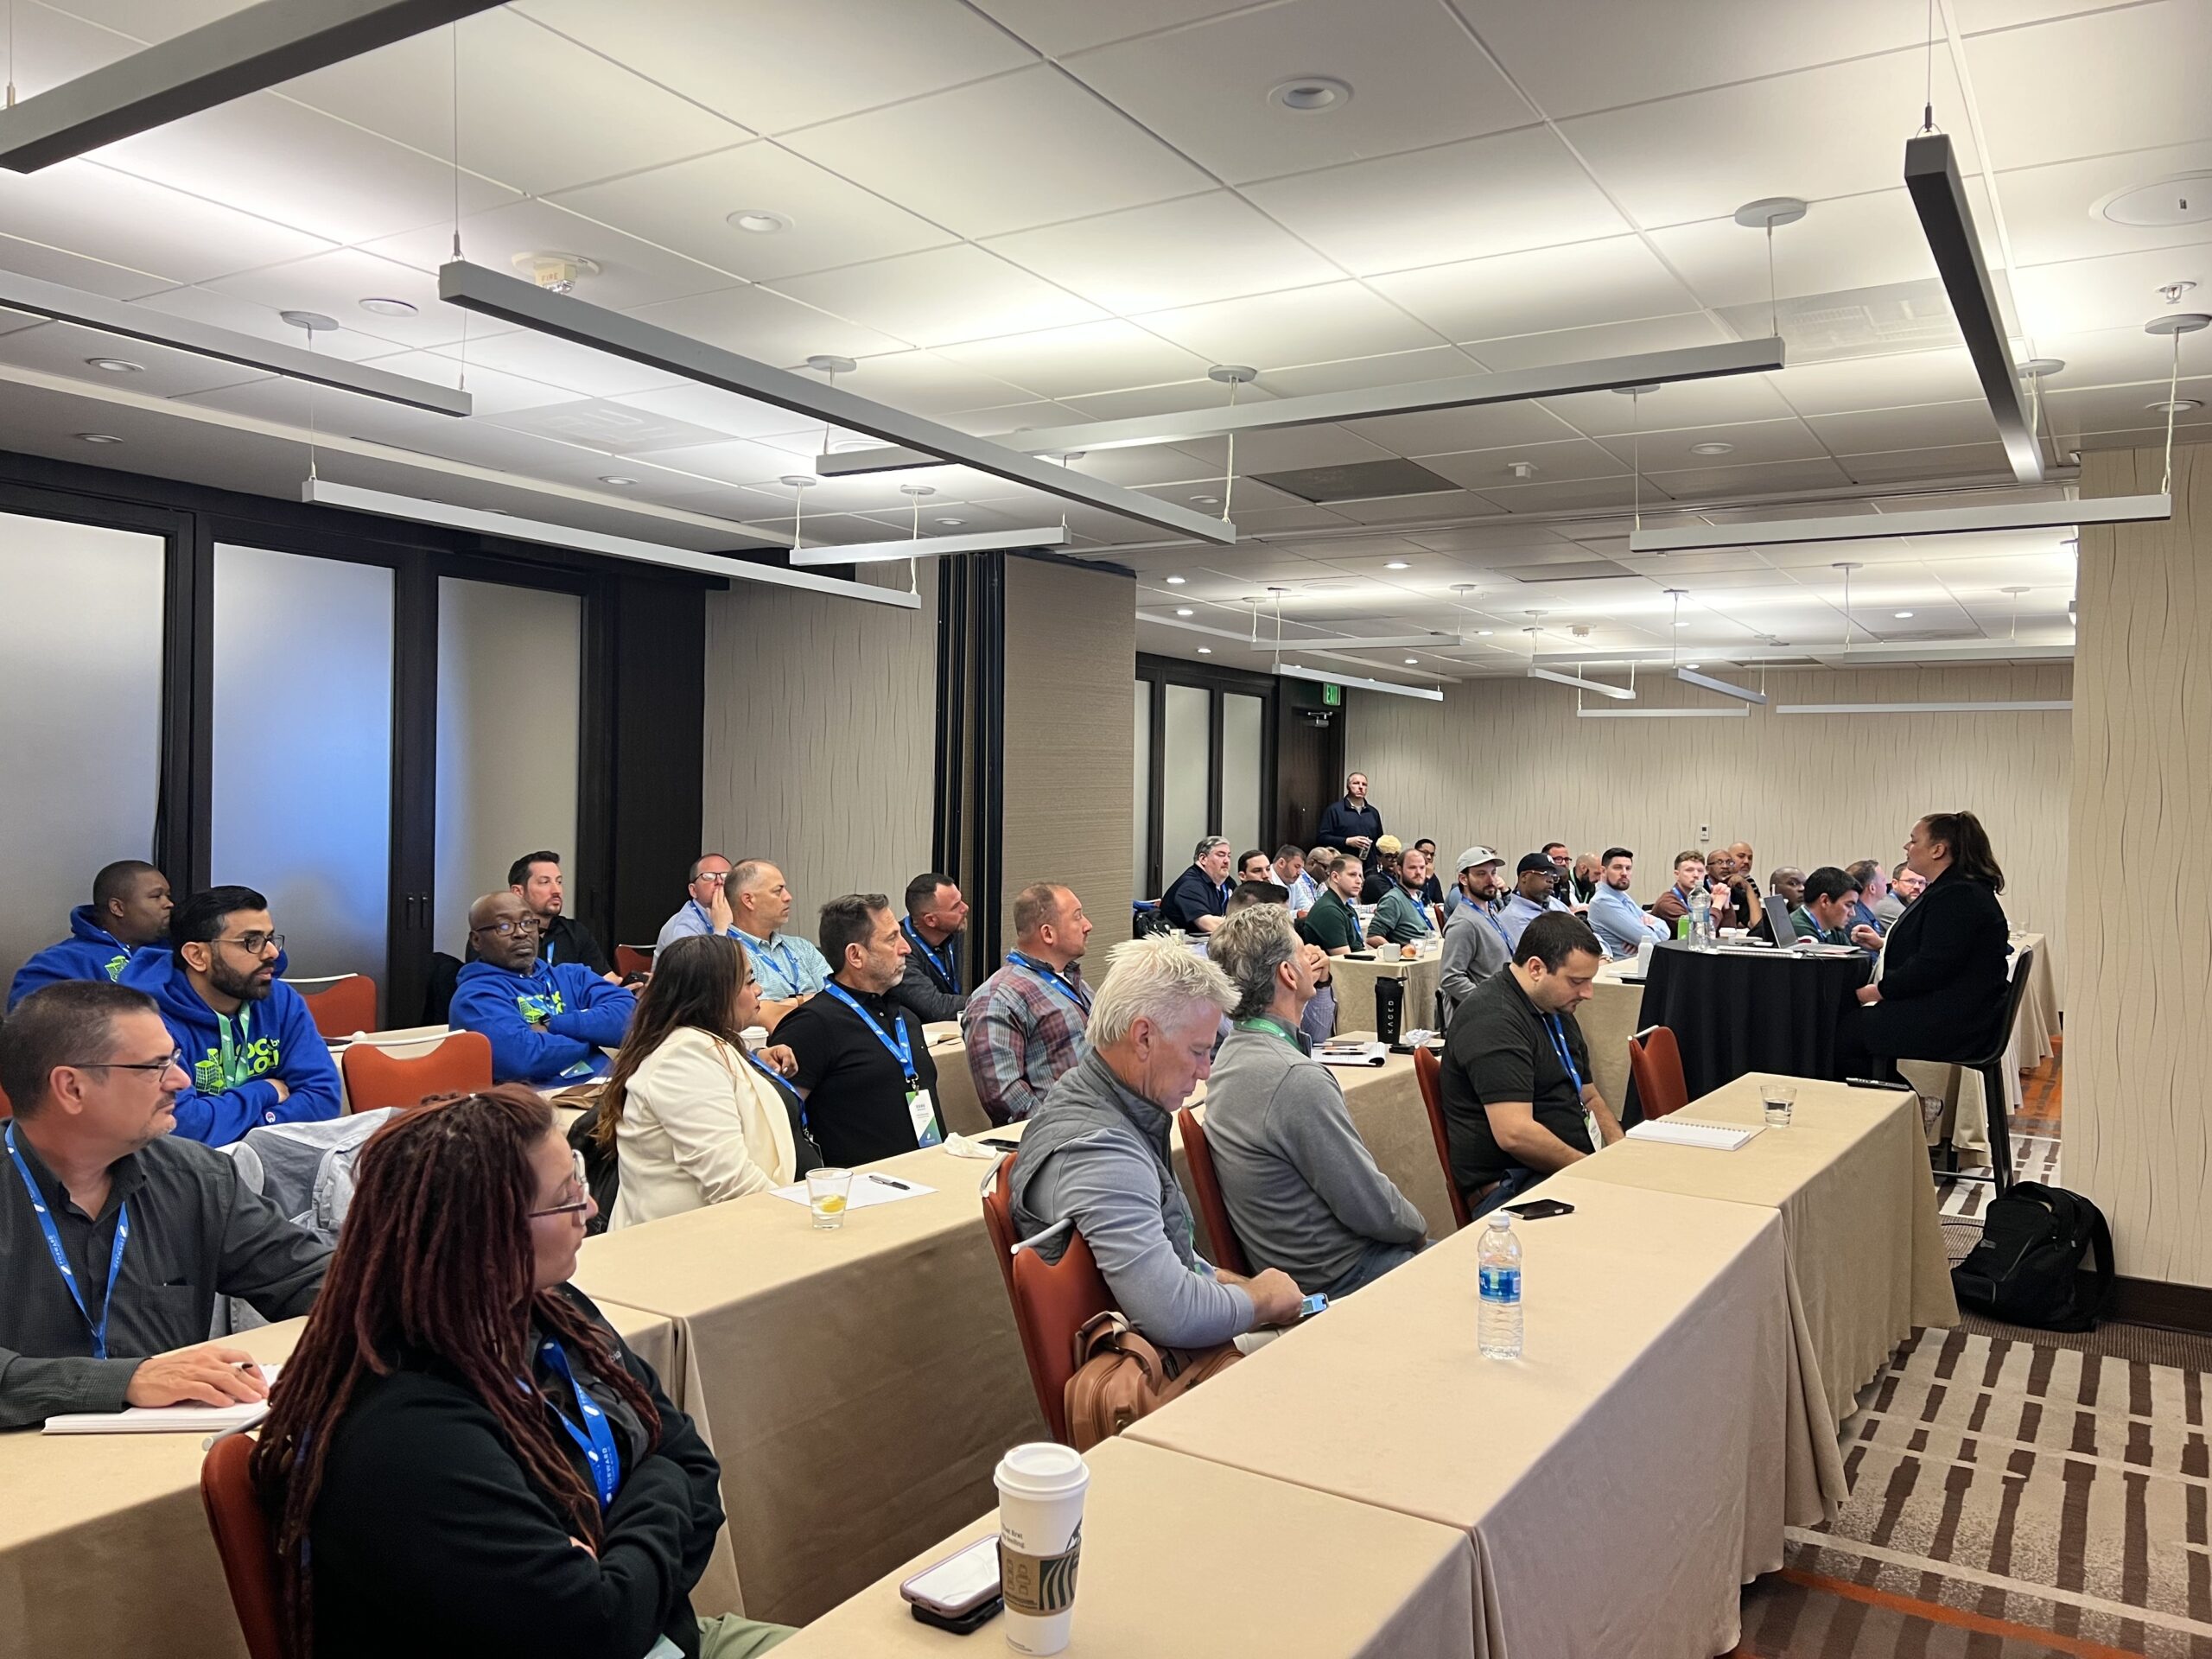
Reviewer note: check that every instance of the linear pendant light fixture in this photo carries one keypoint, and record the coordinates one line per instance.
(2027, 706)
(1618, 693)
(1292, 671)
(1931, 175)
(128, 321)
(1461, 392)
(1379, 642)
(1662, 713)
(1689, 677)
(564, 317)
(1892, 526)
(321, 492)
(928, 547)
(246, 52)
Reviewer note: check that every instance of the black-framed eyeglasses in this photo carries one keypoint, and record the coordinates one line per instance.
(158, 1067)
(257, 944)
(507, 928)
(581, 1203)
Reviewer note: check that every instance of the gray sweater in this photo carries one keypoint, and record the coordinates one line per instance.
(1096, 1152)
(1473, 951)
(1302, 1189)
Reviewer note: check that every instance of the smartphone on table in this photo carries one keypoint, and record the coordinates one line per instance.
(1540, 1209)
(960, 1592)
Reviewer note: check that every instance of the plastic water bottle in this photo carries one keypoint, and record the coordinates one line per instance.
(1702, 920)
(1497, 1325)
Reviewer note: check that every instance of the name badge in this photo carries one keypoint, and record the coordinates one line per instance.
(923, 1110)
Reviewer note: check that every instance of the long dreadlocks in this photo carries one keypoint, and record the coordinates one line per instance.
(436, 1259)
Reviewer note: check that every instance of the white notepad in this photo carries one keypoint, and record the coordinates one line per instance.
(866, 1193)
(1689, 1132)
(1352, 1053)
(165, 1420)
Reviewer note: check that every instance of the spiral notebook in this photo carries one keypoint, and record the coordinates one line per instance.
(1689, 1132)
(167, 1419)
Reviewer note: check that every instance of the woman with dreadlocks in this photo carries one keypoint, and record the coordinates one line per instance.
(462, 1457)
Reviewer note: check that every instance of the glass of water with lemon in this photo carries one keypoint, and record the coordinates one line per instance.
(827, 1192)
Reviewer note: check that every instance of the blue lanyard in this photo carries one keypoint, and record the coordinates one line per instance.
(771, 1074)
(1497, 926)
(902, 1051)
(948, 966)
(1565, 1056)
(1065, 988)
(595, 1439)
(61, 1258)
(707, 922)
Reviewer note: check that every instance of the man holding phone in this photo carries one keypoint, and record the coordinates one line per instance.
(1518, 1104)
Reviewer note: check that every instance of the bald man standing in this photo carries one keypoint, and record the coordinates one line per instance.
(547, 1021)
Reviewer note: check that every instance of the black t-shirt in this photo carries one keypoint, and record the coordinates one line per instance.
(1194, 894)
(566, 940)
(856, 1093)
(1500, 1048)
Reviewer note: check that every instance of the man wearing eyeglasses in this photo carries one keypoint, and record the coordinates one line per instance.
(115, 1235)
(250, 1049)
(547, 1021)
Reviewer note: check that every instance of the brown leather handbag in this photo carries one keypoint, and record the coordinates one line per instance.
(1121, 1377)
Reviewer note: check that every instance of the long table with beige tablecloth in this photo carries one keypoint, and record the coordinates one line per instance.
(1866, 1261)
(1355, 985)
(858, 1385)
(1182, 1555)
(105, 1552)
(1620, 1481)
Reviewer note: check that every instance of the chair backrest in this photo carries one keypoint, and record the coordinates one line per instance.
(2023, 966)
(1655, 1061)
(348, 1005)
(633, 959)
(1427, 1069)
(1227, 1252)
(1052, 1302)
(243, 1542)
(460, 1064)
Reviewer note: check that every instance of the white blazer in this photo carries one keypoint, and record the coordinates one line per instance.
(700, 1125)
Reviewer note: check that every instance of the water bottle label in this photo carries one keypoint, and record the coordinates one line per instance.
(1501, 1284)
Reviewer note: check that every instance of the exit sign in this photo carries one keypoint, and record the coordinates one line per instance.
(1333, 695)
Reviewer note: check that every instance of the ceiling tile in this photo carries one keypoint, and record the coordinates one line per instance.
(263, 322)
(1600, 339)
(1849, 242)
(1490, 470)
(1492, 195)
(1031, 148)
(1678, 407)
(1416, 79)
(58, 348)
(577, 370)
(1545, 288)
(2133, 77)
(1214, 247)
(926, 383)
(2051, 211)
(1085, 357)
(1058, 27)
(336, 282)
(1449, 431)
(777, 64)
(45, 264)
(1573, 56)
(1959, 460)
(1271, 521)
(2123, 356)
(2120, 409)
(1849, 384)
(1838, 131)
(1174, 398)
(492, 391)
(711, 406)
(942, 296)
(535, 111)
(1287, 448)
(2115, 292)
(1360, 373)
(1302, 325)
(1924, 426)
(115, 218)
(686, 207)
(1566, 495)
(763, 324)
(1409, 509)
(1751, 443)
(1772, 477)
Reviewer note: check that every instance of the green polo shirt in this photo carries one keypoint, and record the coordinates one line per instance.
(1329, 924)
(1399, 917)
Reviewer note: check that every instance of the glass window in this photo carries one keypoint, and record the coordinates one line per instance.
(1141, 819)
(1185, 745)
(1239, 771)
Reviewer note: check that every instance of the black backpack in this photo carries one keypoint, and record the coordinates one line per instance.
(2027, 1266)
(602, 1171)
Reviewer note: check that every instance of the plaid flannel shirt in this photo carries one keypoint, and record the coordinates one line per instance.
(1022, 1032)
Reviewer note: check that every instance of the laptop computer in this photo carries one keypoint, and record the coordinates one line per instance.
(1780, 921)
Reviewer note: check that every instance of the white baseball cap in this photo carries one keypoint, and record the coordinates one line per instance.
(1475, 855)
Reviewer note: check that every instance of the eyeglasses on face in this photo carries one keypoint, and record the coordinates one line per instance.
(157, 1068)
(508, 927)
(257, 944)
(578, 1205)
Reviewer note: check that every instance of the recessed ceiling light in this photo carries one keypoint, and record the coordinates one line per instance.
(1903, 615)
(1205, 650)
(1681, 625)
(1715, 448)
(1410, 661)
(100, 438)
(1181, 611)
(758, 221)
(385, 308)
(1174, 582)
(1311, 94)
(115, 365)
(949, 524)
(617, 479)
(1397, 564)
(1207, 501)
(1692, 667)
(2184, 201)
(2175, 406)
(1481, 633)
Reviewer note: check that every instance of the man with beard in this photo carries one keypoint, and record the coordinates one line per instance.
(537, 877)
(249, 1043)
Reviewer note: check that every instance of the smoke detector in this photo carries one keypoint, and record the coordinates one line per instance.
(1521, 469)
(556, 273)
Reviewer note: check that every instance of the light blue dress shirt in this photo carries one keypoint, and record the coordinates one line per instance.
(1303, 892)
(786, 966)
(1620, 923)
(1519, 912)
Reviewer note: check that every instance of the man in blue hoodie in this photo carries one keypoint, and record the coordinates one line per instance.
(547, 1021)
(249, 1043)
(130, 909)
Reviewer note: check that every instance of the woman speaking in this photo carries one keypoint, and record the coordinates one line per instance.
(1943, 995)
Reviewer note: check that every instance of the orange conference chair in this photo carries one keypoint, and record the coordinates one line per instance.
(460, 1064)
(1227, 1252)
(243, 1541)
(1427, 1069)
(633, 959)
(1052, 1303)
(1654, 1063)
(346, 1005)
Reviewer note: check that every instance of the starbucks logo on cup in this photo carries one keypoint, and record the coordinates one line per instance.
(1040, 1586)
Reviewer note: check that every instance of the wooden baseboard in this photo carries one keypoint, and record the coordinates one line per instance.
(2171, 1307)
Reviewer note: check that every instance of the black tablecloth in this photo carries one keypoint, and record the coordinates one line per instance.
(1733, 1012)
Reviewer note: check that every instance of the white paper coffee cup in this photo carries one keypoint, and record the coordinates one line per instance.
(1041, 1487)
(1643, 957)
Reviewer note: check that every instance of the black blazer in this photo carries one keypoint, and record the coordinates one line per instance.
(1944, 980)
(430, 1541)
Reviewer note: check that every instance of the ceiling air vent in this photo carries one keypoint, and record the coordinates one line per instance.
(1360, 481)
(1576, 570)
(1857, 321)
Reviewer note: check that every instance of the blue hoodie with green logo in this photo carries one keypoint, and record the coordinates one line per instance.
(89, 953)
(271, 1041)
(546, 1025)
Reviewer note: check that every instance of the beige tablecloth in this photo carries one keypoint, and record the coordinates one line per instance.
(1620, 1481)
(1866, 1261)
(859, 1385)
(1608, 1019)
(104, 1550)
(1355, 984)
(956, 1083)
(1183, 1556)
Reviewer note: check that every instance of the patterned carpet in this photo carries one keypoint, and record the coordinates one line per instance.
(2013, 1493)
